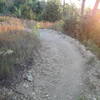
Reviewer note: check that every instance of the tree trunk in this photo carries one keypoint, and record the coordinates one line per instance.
(63, 8)
(95, 7)
(82, 7)
(63, 5)
(63, 2)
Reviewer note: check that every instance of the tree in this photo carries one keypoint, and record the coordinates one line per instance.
(63, 7)
(95, 7)
(63, 2)
(52, 11)
(82, 7)
(56, 1)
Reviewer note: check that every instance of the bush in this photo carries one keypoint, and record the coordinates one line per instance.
(15, 48)
(71, 27)
(70, 24)
(92, 46)
(2, 19)
(58, 25)
(6, 62)
(31, 9)
(52, 12)
(85, 29)
(82, 28)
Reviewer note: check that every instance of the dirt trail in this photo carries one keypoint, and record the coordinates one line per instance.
(58, 71)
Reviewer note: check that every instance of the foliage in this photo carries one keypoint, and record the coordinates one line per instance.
(10, 24)
(5, 64)
(21, 8)
(70, 11)
(16, 47)
(83, 28)
(31, 9)
(70, 24)
(87, 28)
(52, 12)
(46, 24)
(92, 46)
(58, 25)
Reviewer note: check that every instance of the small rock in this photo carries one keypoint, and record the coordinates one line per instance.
(25, 85)
(47, 95)
(94, 99)
(1, 52)
(33, 93)
(9, 52)
(10, 92)
(29, 76)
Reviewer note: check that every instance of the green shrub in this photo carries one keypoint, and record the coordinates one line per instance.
(52, 12)
(72, 27)
(58, 26)
(82, 98)
(70, 24)
(3, 19)
(7, 60)
(92, 46)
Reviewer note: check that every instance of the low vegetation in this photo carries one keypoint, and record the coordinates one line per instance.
(16, 45)
(10, 24)
(31, 9)
(85, 30)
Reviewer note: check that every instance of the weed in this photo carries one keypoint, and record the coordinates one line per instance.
(15, 48)
(82, 98)
(45, 24)
(92, 46)
(10, 24)
(58, 25)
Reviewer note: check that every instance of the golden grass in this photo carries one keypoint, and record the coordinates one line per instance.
(45, 24)
(17, 46)
(21, 45)
(10, 24)
(13, 38)
(94, 33)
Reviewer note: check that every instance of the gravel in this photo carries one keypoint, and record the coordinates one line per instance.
(62, 66)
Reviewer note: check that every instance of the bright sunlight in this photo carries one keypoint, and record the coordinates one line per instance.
(89, 3)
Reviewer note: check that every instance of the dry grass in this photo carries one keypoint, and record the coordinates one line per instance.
(21, 46)
(58, 26)
(15, 48)
(10, 24)
(87, 30)
(16, 45)
(45, 24)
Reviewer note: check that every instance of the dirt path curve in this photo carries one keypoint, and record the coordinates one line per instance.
(60, 68)
(58, 72)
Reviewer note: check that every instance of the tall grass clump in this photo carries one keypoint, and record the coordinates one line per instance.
(6, 62)
(86, 28)
(58, 25)
(16, 47)
(18, 42)
(9, 24)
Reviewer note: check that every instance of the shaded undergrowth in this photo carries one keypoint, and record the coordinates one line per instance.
(16, 53)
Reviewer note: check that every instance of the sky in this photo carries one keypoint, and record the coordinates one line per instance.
(89, 3)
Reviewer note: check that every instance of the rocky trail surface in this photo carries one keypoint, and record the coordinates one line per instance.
(59, 70)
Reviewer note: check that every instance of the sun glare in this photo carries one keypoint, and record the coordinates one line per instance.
(89, 3)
